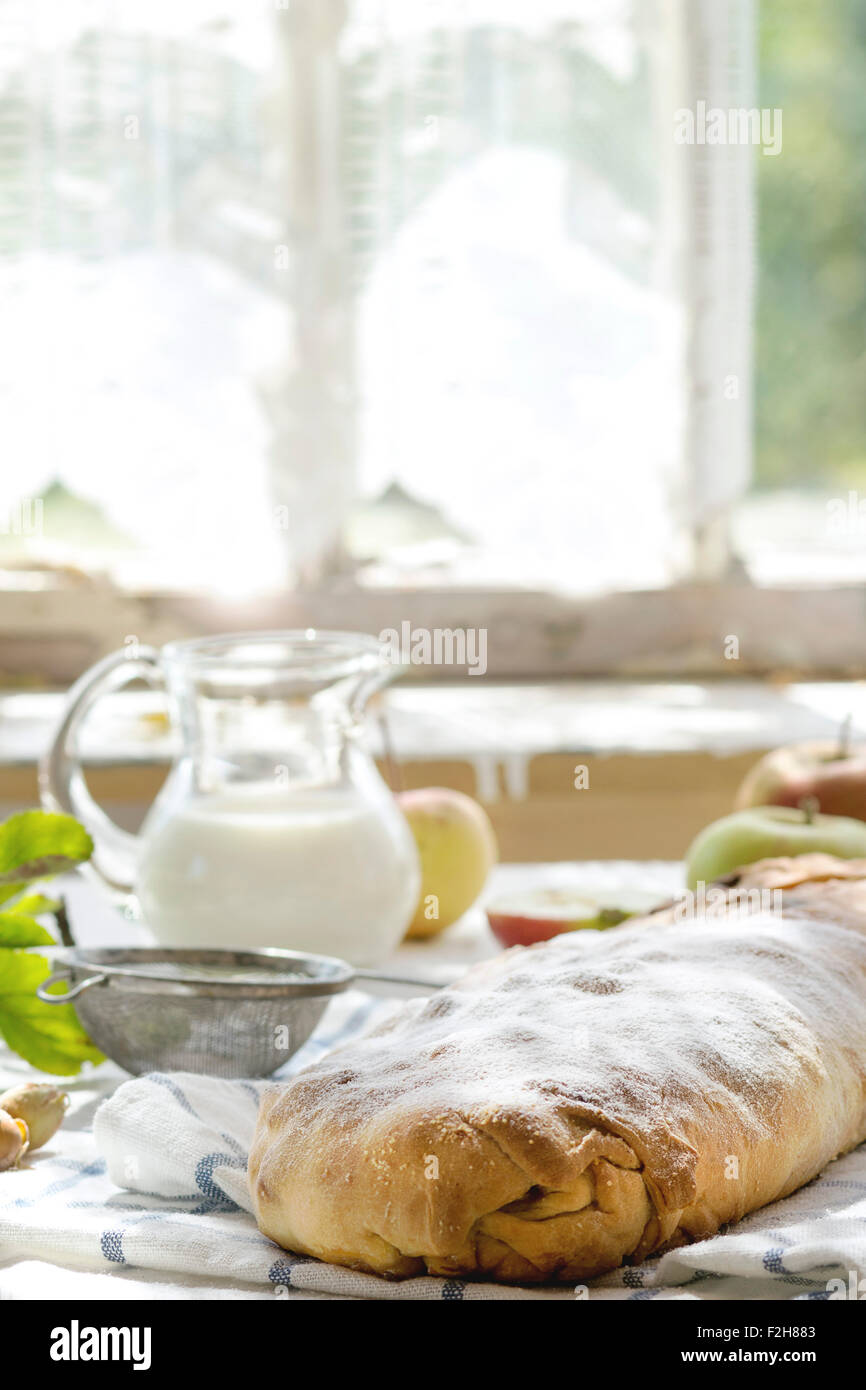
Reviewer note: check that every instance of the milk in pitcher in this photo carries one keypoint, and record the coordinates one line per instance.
(314, 870)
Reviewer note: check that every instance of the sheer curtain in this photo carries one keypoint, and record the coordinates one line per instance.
(142, 306)
(520, 325)
(264, 263)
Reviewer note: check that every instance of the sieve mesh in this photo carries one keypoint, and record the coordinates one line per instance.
(226, 1013)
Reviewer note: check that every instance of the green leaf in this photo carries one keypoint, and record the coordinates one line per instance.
(49, 1036)
(36, 844)
(35, 905)
(19, 929)
(18, 925)
(20, 973)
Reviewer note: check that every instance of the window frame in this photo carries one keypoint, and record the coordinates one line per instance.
(683, 632)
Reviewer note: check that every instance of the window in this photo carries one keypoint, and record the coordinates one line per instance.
(804, 519)
(520, 335)
(142, 307)
(401, 276)
(326, 301)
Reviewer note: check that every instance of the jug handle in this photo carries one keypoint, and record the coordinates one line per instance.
(61, 777)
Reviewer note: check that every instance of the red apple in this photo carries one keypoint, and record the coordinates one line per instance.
(829, 774)
(522, 919)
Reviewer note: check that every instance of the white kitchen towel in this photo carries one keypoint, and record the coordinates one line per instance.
(151, 1200)
(180, 1143)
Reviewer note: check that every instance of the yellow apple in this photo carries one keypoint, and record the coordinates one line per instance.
(457, 848)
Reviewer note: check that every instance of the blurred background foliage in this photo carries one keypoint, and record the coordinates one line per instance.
(810, 350)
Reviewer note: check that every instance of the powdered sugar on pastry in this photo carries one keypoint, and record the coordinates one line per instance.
(569, 1106)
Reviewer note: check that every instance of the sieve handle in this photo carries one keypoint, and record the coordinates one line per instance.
(73, 993)
(385, 979)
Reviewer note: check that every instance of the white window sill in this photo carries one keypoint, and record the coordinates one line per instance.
(503, 722)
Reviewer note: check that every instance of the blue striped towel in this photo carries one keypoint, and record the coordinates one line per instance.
(154, 1195)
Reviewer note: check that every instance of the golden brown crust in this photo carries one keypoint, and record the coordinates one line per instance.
(595, 1098)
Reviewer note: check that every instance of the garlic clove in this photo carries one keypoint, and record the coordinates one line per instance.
(40, 1105)
(14, 1140)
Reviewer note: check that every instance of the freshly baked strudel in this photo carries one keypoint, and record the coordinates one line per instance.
(566, 1107)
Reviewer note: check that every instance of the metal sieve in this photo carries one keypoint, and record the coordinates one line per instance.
(225, 1013)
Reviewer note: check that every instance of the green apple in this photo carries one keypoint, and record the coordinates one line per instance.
(768, 832)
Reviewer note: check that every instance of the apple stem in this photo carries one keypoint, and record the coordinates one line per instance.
(844, 737)
(809, 805)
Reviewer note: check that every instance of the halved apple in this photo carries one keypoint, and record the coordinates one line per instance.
(522, 919)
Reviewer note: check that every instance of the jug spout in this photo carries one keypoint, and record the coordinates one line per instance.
(298, 663)
(285, 704)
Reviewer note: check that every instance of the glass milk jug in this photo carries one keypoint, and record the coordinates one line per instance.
(274, 827)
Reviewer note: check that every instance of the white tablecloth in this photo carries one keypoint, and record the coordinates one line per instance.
(154, 1204)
